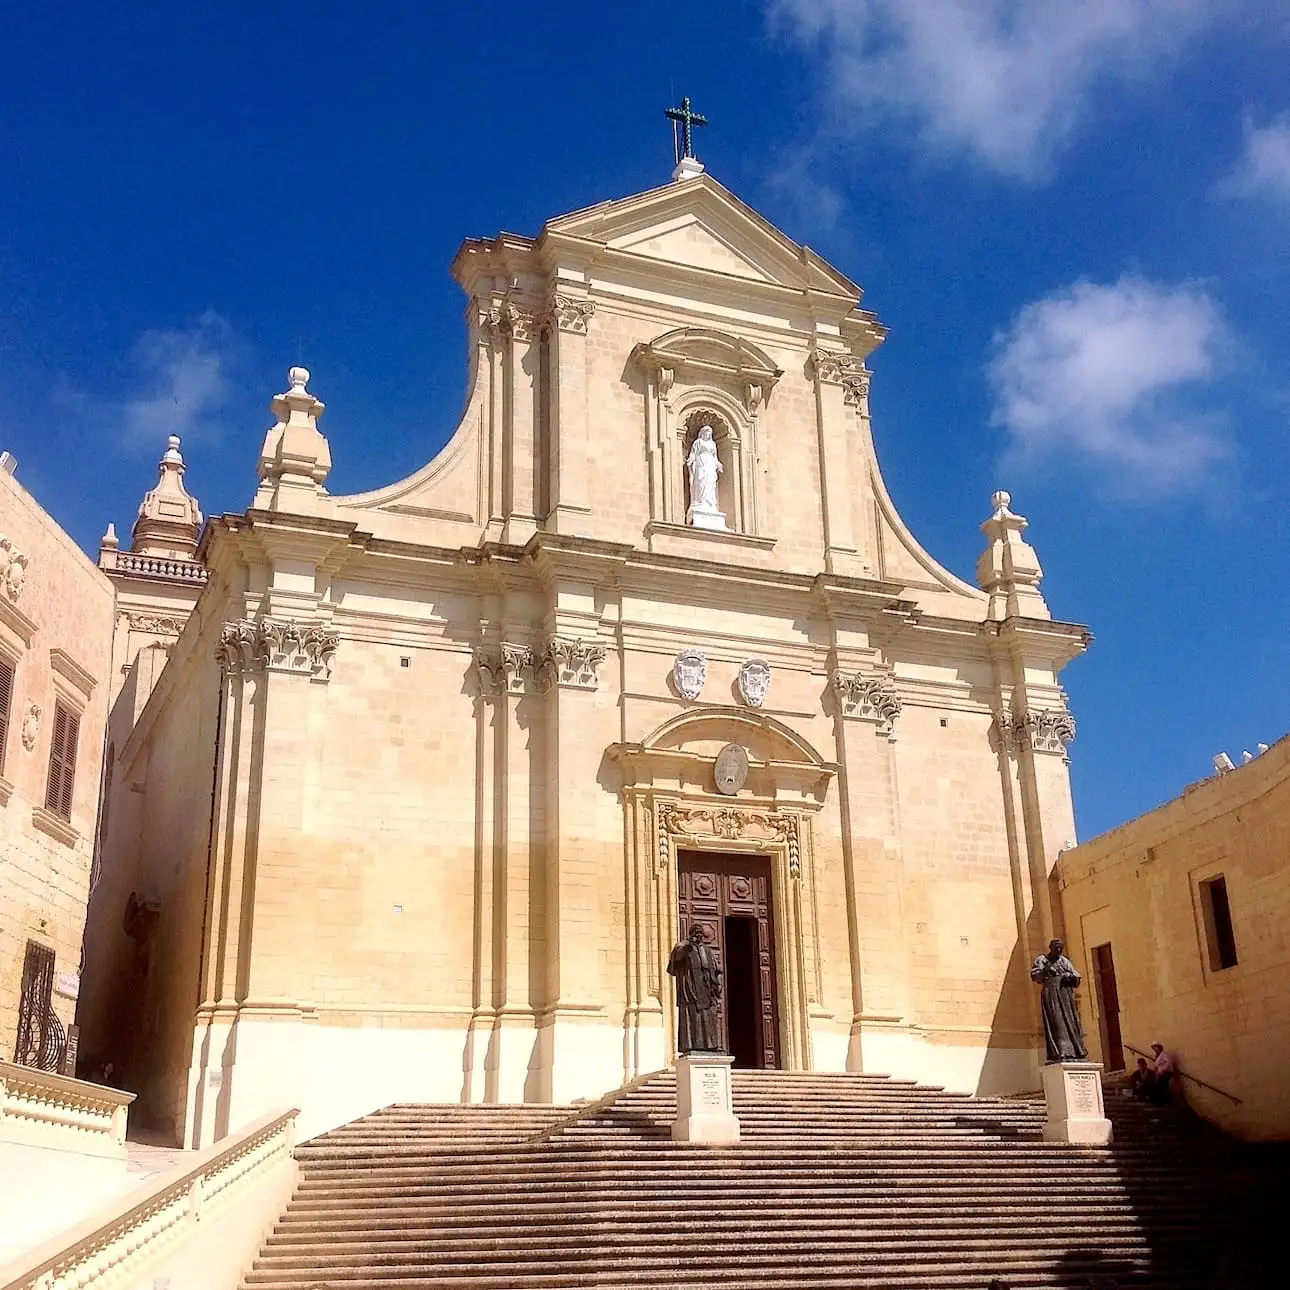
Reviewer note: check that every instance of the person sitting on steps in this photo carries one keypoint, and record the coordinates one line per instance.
(1141, 1080)
(1163, 1074)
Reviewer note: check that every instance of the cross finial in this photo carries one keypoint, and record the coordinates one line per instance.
(688, 118)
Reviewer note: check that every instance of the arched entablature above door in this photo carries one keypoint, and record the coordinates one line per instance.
(783, 766)
(696, 376)
(672, 805)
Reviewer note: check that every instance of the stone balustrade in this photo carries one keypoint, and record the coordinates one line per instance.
(154, 566)
(204, 1218)
(41, 1109)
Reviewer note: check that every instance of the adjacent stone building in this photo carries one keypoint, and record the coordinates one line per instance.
(1180, 922)
(434, 775)
(56, 614)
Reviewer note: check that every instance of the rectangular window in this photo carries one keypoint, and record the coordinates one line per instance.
(36, 1037)
(1218, 924)
(62, 762)
(6, 703)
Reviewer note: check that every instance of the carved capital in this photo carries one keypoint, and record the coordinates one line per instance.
(845, 370)
(281, 646)
(869, 696)
(569, 313)
(504, 668)
(1046, 730)
(519, 324)
(729, 822)
(489, 319)
(570, 661)
(13, 568)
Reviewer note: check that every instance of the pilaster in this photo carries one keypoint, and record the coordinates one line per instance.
(836, 378)
(867, 706)
(567, 318)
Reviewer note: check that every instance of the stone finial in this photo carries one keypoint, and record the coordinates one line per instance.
(296, 457)
(109, 540)
(1009, 569)
(170, 520)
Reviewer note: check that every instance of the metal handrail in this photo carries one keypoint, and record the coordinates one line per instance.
(1213, 1088)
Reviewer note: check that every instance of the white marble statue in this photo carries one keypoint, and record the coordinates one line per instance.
(705, 468)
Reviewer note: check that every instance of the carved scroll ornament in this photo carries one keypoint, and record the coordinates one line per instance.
(728, 822)
(13, 568)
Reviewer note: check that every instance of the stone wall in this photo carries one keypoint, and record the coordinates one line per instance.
(1138, 888)
(56, 617)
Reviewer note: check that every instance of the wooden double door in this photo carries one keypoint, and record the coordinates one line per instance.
(730, 897)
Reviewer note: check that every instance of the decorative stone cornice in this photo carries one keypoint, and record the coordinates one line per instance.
(730, 822)
(569, 313)
(570, 662)
(267, 643)
(868, 696)
(13, 568)
(502, 669)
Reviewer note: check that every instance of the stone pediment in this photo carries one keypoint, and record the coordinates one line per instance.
(698, 224)
(703, 349)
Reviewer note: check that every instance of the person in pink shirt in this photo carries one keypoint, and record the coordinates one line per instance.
(1163, 1067)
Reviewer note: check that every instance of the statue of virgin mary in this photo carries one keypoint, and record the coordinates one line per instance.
(705, 468)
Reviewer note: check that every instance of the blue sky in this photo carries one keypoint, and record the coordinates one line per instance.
(1074, 218)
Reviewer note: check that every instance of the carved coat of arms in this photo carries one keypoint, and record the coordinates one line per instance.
(689, 672)
(754, 681)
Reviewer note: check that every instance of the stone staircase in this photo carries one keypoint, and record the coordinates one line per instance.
(840, 1180)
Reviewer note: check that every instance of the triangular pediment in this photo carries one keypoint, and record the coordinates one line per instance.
(698, 224)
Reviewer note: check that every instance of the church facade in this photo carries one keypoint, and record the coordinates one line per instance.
(436, 775)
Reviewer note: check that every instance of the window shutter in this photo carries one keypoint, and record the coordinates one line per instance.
(69, 764)
(6, 702)
(62, 763)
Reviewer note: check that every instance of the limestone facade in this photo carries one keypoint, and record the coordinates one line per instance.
(415, 797)
(156, 584)
(56, 613)
(1208, 984)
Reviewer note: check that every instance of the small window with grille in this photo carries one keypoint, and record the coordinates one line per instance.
(62, 762)
(41, 1040)
(6, 705)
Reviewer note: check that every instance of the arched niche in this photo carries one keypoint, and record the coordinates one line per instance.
(693, 372)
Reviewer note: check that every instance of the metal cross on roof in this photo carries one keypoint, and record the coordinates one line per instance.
(688, 118)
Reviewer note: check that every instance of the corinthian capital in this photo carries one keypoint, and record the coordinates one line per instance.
(569, 313)
(570, 661)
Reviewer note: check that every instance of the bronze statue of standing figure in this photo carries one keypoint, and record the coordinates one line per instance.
(1063, 1033)
(697, 969)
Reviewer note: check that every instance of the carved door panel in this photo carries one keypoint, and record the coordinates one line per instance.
(730, 898)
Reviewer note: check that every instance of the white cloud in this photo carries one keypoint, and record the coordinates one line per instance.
(1107, 376)
(1006, 80)
(1264, 167)
(178, 382)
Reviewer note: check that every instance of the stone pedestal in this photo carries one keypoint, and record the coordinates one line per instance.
(704, 1105)
(1076, 1112)
(703, 517)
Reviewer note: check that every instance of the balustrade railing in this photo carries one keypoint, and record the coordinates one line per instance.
(154, 566)
(151, 1224)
